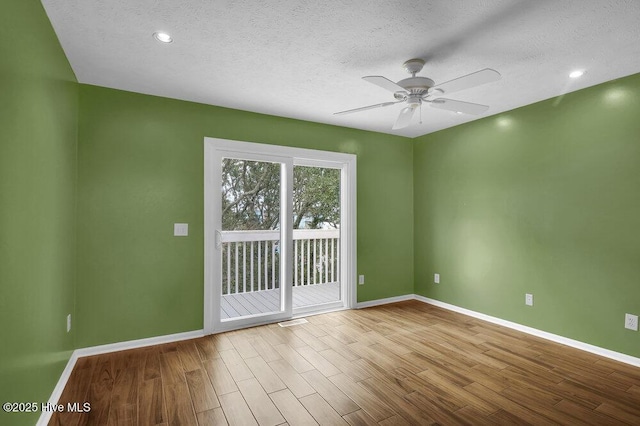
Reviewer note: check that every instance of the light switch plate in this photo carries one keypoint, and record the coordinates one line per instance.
(436, 278)
(180, 229)
(360, 279)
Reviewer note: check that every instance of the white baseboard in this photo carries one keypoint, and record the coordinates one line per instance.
(45, 416)
(140, 343)
(385, 301)
(617, 356)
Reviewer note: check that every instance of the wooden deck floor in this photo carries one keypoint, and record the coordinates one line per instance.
(406, 363)
(237, 305)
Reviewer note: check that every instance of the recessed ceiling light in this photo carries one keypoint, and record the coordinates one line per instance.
(576, 74)
(162, 37)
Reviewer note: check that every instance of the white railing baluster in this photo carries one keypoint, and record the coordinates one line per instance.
(301, 262)
(325, 265)
(244, 266)
(332, 271)
(273, 264)
(337, 261)
(258, 269)
(228, 268)
(224, 284)
(237, 271)
(251, 265)
(266, 265)
(320, 259)
(308, 261)
(295, 263)
(225, 289)
(325, 260)
(319, 265)
(315, 259)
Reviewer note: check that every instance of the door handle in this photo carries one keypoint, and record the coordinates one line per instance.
(218, 239)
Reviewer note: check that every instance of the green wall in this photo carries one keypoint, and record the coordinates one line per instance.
(543, 199)
(38, 126)
(141, 169)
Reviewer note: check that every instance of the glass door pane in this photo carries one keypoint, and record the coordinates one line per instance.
(316, 236)
(251, 281)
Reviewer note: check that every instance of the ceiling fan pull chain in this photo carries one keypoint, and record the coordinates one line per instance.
(420, 112)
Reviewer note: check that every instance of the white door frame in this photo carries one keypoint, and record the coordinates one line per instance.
(213, 148)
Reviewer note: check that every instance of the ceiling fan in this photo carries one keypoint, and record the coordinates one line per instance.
(416, 90)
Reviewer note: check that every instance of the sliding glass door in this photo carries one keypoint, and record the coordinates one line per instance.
(250, 214)
(275, 234)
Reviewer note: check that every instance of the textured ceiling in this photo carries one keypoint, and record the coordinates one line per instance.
(305, 59)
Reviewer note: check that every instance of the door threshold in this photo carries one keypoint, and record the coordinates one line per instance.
(294, 317)
(317, 310)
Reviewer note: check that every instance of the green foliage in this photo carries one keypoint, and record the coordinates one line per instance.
(251, 196)
(316, 196)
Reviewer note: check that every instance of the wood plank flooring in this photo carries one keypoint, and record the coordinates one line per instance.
(402, 364)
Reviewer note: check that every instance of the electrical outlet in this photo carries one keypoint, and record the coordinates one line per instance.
(631, 322)
(436, 278)
(528, 299)
(360, 279)
(68, 323)
(180, 229)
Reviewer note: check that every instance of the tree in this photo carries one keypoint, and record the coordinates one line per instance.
(316, 197)
(251, 196)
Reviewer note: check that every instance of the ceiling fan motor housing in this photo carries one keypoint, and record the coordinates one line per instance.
(416, 85)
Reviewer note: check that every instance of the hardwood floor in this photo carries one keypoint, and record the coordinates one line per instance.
(406, 363)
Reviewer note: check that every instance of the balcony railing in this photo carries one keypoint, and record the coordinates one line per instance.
(251, 259)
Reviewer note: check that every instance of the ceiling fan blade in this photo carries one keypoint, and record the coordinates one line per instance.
(458, 106)
(468, 81)
(349, 111)
(404, 119)
(384, 82)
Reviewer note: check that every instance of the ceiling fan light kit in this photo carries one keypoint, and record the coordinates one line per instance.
(415, 90)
